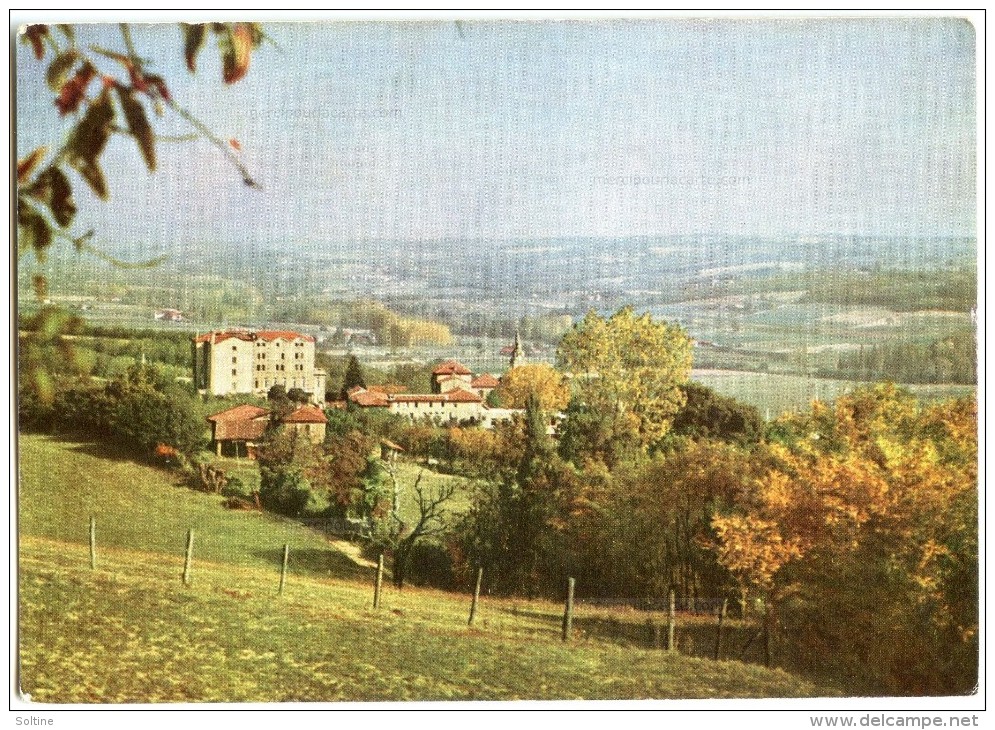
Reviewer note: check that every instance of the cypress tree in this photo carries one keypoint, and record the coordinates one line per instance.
(353, 377)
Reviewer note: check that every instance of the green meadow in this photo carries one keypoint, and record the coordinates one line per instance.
(131, 632)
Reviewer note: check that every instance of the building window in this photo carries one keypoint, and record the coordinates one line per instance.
(234, 360)
(234, 372)
(256, 386)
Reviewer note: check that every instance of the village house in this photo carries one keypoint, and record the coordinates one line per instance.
(454, 405)
(484, 385)
(451, 375)
(237, 431)
(240, 361)
(457, 396)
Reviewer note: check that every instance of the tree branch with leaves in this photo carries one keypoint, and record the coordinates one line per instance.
(108, 92)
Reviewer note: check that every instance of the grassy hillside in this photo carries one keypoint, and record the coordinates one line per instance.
(141, 508)
(130, 631)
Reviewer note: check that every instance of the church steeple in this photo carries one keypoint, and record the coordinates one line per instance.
(517, 352)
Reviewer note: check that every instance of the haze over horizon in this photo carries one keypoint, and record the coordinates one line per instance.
(378, 131)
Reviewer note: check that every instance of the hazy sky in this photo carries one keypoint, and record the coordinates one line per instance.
(520, 130)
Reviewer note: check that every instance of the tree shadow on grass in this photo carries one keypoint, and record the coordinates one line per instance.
(108, 450)
(115, 452)
(315, 563)
(691, 638)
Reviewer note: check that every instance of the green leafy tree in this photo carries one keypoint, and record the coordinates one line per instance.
(628, 369)
(518, 525)
(291, 469)
(280, 403)
(285, 491)
(708, 415)
(353, 376)
(297, 396)
(349, 473)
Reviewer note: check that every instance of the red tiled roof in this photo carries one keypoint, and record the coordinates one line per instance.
(248, 429)
(485, 381)
(270, 335)
(247, 336)
(446, 378)
(368, 398)
(453, 396)
(306, 414)
(248, 423)
(243, 412)
(451, 367)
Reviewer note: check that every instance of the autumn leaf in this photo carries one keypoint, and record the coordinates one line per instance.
(138, 124)
(74, 90)
(52, 188)
(157, 83)
(35, 35)
(89, 141)
(237, 53)
(193, 41)
(33, 230)
(137, 79)
(26, 165)
(539, 379)
(68, 32)
(58, 70)
(61, 202)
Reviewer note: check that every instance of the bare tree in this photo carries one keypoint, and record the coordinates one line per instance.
(431, 512)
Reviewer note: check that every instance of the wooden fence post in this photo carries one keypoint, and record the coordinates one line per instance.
(378, 583)
(188, 558)
(671, 622)
(476, 596)
(568, 612)
(718, 631)
(283, 569)
(93, 543)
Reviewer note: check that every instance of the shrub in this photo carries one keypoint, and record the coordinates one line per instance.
(431, 565)
(284, 491)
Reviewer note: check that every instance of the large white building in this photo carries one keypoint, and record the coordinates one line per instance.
(240, 361)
